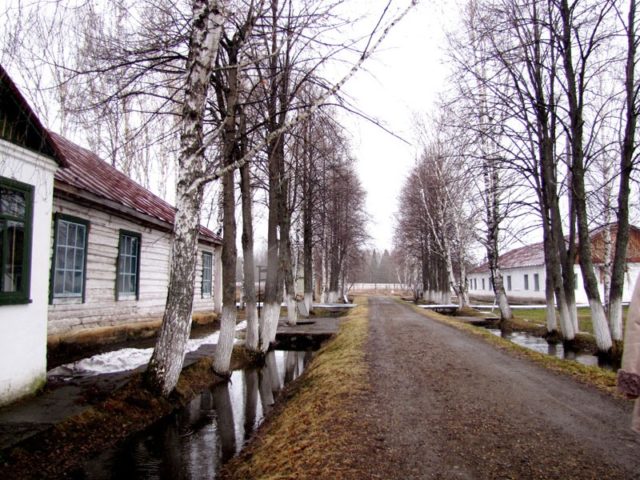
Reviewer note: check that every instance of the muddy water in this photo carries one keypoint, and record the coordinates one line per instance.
(194, 442)
(540, 345)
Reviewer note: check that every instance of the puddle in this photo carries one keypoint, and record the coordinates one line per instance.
(194, 442)
(540, 345)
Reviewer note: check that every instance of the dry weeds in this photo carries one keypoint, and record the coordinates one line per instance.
(317, 430)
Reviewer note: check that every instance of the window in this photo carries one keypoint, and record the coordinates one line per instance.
(69, 257)
(526, 281)
(509, 282)
(207, 264)
(128, 267)
(16, 206)
(483, 284)
(475, 283)
(536, 282)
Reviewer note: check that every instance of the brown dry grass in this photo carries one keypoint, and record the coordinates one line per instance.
(317, 432)
(603, 380)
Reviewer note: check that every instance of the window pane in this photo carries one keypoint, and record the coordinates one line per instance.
(13, 275)
(12, 203)
(79, 258)
(68, 282)
(206, 273)
(62, 234)
(58, 282)
(80, 230)
(69, 264)
(128, 264)
(71, 238)
(60, 251)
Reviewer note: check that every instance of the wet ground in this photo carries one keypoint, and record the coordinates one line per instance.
(194, 442)
(72, 388)
(449, 405)
(540, 345)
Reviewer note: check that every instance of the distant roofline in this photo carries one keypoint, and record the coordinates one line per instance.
(484, 267)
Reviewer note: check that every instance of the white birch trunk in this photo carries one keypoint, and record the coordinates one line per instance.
(292, 311)
(269, 322)
(566, 321)
(600, 326)
(302, 307)
(552, 322)
(252, 337)
(323, 278)
(222, 355)
(615, 319)
(608, 253)
(167, 359)
(308, 301)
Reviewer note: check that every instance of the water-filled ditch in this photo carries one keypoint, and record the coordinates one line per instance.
(540, 345)
(194, 442)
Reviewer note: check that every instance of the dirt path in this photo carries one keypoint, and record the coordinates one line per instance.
(448, 405)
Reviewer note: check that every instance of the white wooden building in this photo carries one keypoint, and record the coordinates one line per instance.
(83, 248)
(523, 271)
(111, 250)
(28, 160)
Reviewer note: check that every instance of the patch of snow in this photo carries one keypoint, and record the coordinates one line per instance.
(124, 359)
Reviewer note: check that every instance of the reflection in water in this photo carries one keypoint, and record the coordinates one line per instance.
(540, 345)
(250, 402)
(211, 429)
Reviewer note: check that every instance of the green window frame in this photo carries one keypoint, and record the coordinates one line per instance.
(69, 263)
(128, 266)
(526, 281)
(536, 282)
(16, 226)
(207, 274)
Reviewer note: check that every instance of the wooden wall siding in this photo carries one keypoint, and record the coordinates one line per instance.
(100, 307)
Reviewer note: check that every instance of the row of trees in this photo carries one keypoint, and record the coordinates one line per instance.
(233, 90)
(542, 118)
(377, 268)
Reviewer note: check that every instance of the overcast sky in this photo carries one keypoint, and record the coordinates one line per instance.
(400, 81)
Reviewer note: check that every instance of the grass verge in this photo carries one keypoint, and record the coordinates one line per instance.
(315, 430)
(603, 380)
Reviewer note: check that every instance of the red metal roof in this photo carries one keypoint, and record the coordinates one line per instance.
(527, 256)
(533, 255)
(88, 172)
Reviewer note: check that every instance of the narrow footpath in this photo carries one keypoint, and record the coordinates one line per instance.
(449, 406)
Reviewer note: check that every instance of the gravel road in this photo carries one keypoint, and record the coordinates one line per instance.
(448, 405)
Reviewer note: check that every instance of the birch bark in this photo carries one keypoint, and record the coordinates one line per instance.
(168, 355)
(626, 167)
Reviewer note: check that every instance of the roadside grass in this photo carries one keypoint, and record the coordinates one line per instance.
(603, 380)
(538, 317)
(315, 428)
